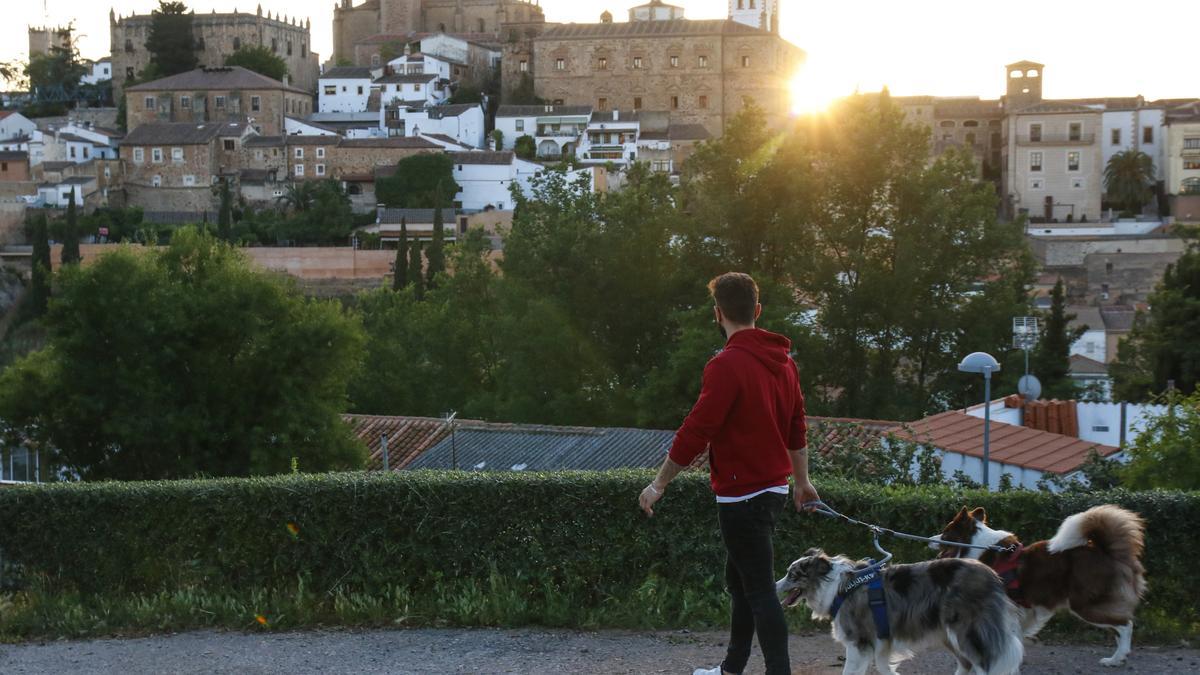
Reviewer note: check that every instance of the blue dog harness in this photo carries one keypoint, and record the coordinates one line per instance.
(871, 577)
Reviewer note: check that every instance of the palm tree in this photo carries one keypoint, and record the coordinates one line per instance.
(1128, 179)
(298, 196)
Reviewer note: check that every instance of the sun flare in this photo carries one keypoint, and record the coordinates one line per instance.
(815, 87)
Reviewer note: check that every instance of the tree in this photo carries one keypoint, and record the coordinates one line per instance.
(1162, 347)
(259, 59)
(1129, 180)
(466, 93)
(186, 362)
(39, 288)
(171, 42)
(524, 92)
(414, 270)
(225, 217)
(400, 273)
(56, 73)
(1166, 455)
(435, 256)
(318, 212)
(1051, 361)
(423, 181)
(525, 147)
(497, 139)
(70, 249)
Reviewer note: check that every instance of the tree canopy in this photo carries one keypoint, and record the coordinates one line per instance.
(1129, 180)
(171, 42)
(422, 181)
(259, 59)
(182, 363)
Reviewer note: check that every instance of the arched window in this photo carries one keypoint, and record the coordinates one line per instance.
(971, 123)
(946, 124)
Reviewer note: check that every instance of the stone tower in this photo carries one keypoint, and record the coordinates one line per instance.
(43, 40)
(399, 17)
(1024, 85)
(762, 14)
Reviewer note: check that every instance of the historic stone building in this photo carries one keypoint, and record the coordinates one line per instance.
(217, 95)
(219, 35)
(397, 20)
(702, 72)
(43, 39)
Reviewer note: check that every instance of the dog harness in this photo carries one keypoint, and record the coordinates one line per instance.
(1007, 567)
(873, 579)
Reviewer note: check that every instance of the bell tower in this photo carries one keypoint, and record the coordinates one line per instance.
(1024, 85)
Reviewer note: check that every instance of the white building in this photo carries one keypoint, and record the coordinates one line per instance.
(98, 72)
(344, 90)
(422, 64)
(1095, 422)
(14, 125)
(418, 89)
(58, 194)
(485, 180)
(351, 125)
(556, 130)
(1093, 344)
(461, 122)
(467, 57)
(1134, 126)
(611, 136)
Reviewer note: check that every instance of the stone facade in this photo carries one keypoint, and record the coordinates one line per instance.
(44, 39)
(219, 36)
(701, 72)
(217, 95)
(173, 167)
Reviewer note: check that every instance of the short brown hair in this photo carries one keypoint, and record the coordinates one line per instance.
(737, 296)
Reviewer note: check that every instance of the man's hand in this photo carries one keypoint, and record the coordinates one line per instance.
(649, 497)
(803, 493)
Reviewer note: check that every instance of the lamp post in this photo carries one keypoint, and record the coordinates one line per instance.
(982, 362)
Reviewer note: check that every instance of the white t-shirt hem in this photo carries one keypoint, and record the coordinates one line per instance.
(778, 489)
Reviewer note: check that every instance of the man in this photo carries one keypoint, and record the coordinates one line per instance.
(750, 415)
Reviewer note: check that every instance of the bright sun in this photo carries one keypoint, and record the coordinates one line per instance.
(815, 87)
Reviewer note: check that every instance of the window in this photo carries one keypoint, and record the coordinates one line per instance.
(602, 103)
(971, 123)
(1190, 186)
(255, 103)
(637, 62)
(374, 60)
(560, 64)
(320, 153)
(299, 170)
(417, 88)
(745, 61)
(299, 153)
(1077, 184)
(637, 102)
(189, 181)
(1191, 143)
(129, 48)
(185, 102)
(674, 61)
(1191, 164)
(177, 155)
(156, 155)
(320, 170)
(1116, 136)
(360, 90)
(71, 151)
(702, 101)
(330, 90)
(289, 47)
(1147, 134)
(1035, 183)
(275, 45)
(674, 103)
(258, 155)
(520, 125)
(156, 181)
(237, 43)
(149, 103)
(220, 102)
(1035, 133)
(1035, 161)
(1072, 161)
(602, 64)
(303, 50)
(230, 145)
(1075, 131)
(524, 66)
(702, 61)
(139, 155)
(946, 124)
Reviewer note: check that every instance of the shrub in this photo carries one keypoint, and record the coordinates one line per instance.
(572, 547)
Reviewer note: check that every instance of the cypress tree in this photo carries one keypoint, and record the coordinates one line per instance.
(225, 218)
(39, 287)
(436, 255)
(414, 266)
(70, 249)
(1053, 360)
(400, 274)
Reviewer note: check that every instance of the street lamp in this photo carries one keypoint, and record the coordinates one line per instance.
(982, 362)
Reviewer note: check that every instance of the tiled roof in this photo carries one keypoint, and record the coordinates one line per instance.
(482, 157)
(409, 142)
(1118, 318)
(56, 166)
(450, 110)
(72, 138)
(539, 110)
(414, 216)
(347, 73)
(173, 133)
(958, 432)
(1086, 316)
(443, 138)
(417, 78)
(671, 28)
(408, 437)
(264, 142)
(689, 132)
(1048, 107)
(967, 107)
(1082, 365)
(13, 155)
(202, 79)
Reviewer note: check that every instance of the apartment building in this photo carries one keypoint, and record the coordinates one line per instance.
(1182, 160)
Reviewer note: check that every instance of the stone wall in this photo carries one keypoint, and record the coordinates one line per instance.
(201, 106)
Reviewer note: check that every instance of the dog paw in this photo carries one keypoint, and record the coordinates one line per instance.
(1111, 662)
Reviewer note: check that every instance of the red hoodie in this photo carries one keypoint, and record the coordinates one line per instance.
(749, 414)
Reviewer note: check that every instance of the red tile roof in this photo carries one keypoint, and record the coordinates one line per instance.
(958, 432)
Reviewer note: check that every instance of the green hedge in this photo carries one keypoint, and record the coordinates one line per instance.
(541, 540)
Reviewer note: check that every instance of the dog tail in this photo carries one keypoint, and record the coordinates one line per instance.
(1000, 630)
(1119, 533)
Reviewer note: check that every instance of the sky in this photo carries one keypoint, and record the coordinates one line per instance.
(931, 47)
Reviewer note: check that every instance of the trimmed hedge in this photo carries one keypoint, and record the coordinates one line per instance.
(543, 536)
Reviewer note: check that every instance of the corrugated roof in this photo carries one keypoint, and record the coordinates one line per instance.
(671, 28)
(958, 432)
(202, 79)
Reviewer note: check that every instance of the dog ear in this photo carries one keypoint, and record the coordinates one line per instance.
(962, 513)
(980, 515)
(814, 553)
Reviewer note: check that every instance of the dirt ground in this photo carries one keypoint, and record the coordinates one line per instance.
(498, 651)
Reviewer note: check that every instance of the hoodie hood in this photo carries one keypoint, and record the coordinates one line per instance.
(771, 349)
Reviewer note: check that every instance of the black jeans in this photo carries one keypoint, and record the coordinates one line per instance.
(747, 528)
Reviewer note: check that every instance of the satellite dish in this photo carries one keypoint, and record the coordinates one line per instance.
(1029, 387)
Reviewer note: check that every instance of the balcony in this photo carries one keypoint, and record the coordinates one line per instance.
(1057, 139)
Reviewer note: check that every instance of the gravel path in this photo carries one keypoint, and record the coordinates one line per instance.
(496, 651)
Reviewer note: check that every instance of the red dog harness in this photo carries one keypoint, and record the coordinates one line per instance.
(1007, 567)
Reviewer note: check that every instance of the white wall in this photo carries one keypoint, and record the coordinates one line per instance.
(508, 126)
(294, 127)
(1131, 124)
(973, 468)
(1098, 422)
(1092, 344)
(350, 95)
(101, 70)
(16, 124)
(484, 185)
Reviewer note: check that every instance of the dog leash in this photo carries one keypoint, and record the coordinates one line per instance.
(826, 510)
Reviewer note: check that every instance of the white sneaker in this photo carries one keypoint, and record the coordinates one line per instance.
(707, 671)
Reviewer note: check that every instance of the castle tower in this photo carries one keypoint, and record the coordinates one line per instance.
(1024, 84)
(762, 14)
(44, 40)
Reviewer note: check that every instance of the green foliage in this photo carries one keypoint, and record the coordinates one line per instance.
(39, 288)
(525, 147)
(497, 139)
(70, 249)
(523, 92)
(185, 362)
(318, 212)
(60, 70)
(466, 93)
(225, 216)
(422, 181)
(259, 59)
(1167, 453)
(1129, 180)
(124, 225)
(1051, 361)
(400, 269)
(171, 42)
(414, 268)
(435, 255)
(1162, 347)
(482, 548)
